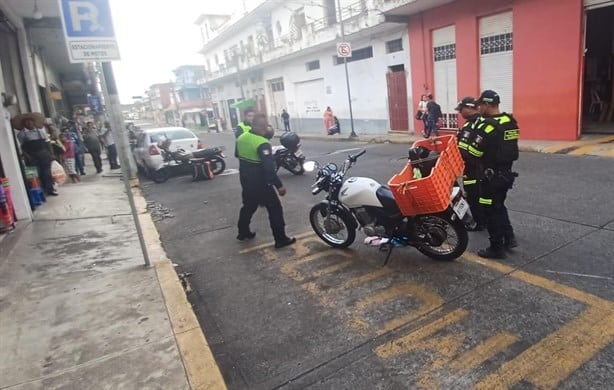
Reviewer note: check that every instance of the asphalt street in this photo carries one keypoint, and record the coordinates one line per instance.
(309, 316)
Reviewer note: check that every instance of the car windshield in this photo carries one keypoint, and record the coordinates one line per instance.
(171, 134)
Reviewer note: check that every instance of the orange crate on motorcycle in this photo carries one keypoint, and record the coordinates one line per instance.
(430, 194)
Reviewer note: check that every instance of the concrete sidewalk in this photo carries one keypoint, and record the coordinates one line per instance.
(78, 308)
(590, 144)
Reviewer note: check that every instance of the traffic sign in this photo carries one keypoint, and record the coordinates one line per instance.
(88, 29)
(344, 49)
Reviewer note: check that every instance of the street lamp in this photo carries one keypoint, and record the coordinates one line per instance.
(347, 76)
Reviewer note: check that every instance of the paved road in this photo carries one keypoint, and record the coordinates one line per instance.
(313, 317)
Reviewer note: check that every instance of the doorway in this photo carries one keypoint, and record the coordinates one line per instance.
(397, 98)
(598, 83)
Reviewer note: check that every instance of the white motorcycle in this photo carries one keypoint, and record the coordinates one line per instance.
(363, 202)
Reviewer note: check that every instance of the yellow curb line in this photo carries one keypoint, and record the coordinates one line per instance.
(198, 360)
(559, 147)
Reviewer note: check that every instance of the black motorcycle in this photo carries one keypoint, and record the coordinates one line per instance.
(289, 155)
(202, 163)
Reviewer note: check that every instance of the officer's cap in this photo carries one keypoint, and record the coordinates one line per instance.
(489, 97)
(466, 102)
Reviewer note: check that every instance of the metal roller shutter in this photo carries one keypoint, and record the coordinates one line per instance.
(497, 57)
(444, 55)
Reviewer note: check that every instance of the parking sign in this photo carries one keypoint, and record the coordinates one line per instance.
(88, 29)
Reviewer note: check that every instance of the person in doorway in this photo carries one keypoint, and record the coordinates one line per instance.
(246, 124)
(69, 157)
(35, 147)
(259, 181)
(496, 142)
(468, 109)
(109, 142)
(329, 119)
(285, 117)
(92, 143)
(433, 115)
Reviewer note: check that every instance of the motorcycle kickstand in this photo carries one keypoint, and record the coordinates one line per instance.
(390, 248)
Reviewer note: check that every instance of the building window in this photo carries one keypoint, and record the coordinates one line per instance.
(313, 65)
(444, 52)
(357, 55)
(277, 85)
(217, 60)
(497, 43)
(394, 45)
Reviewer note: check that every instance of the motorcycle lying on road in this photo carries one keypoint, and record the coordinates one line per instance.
(363, 202)
(179, 162)
(289, 154)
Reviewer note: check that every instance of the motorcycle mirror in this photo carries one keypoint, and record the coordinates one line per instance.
(311, 166)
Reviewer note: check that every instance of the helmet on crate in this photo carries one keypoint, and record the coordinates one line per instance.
(290, 140)
(423, 159)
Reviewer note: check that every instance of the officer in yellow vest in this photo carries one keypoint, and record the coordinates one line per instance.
(496, 144)
(468, 109)
(259, 181)
(245, 125)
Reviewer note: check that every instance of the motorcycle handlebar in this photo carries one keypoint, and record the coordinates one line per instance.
(355, 157)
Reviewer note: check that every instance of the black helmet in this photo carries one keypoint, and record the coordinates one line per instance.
(290, 140)
(417, 153)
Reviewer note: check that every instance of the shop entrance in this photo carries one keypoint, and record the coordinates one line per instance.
(598, 87)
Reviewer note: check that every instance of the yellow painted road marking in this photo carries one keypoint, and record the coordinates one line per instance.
(357, 281)
(270, 244)
(332, 268)
(583, 150)
(539, 281)
(554, 358)
(484, 351)
(290, 268)
(565, 145)
(409, 342)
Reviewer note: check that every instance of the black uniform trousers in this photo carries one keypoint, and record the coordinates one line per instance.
(254, 195)
(492, 200)
(473, 198)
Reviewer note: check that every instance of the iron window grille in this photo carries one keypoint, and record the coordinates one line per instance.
(497, 43)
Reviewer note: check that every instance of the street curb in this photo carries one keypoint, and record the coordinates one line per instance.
(199, 363)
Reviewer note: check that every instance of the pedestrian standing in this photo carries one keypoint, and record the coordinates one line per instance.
(468, 109)
(496, 142)
(35, 147)
(92, 143)
(433, 115)
(69, 157)
(75, 133)
(422, 111)
(329, 120)
(109, 142)
(285, 117)
(246, 124)
(259, 181)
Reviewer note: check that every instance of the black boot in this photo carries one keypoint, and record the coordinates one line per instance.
(246, 236)
(494, 251)
(509, 241)
(284, 242)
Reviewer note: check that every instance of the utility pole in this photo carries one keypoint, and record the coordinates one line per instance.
(347, 76)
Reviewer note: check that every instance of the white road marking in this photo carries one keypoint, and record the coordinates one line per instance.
(582, 275)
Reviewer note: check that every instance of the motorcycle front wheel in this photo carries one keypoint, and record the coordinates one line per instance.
(218, 165)
(443, 236)
(160, 175)
(334, 228)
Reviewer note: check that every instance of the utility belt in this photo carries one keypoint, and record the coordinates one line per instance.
(500, 178)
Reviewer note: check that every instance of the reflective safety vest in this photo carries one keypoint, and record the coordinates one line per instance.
(247, 147)
(244, 127)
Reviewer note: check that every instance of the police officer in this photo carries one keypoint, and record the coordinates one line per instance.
(245, 125)
(496, 144)
(259, 181)
(468, 109)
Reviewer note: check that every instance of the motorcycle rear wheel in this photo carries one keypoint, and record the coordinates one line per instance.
(160, 175)
(335, 230)
(443, 235)
(218, 165)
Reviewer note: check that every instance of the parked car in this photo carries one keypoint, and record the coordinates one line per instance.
(147, 153)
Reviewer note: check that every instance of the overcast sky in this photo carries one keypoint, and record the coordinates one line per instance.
(157, 36)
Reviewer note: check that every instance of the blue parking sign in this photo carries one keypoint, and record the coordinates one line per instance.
(87, 18)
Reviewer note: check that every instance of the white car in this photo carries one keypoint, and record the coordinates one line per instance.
(146, 152)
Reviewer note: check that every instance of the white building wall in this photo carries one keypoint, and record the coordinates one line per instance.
(308, 93)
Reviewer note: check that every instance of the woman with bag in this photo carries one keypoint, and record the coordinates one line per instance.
(35, 147)
(421, 113)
